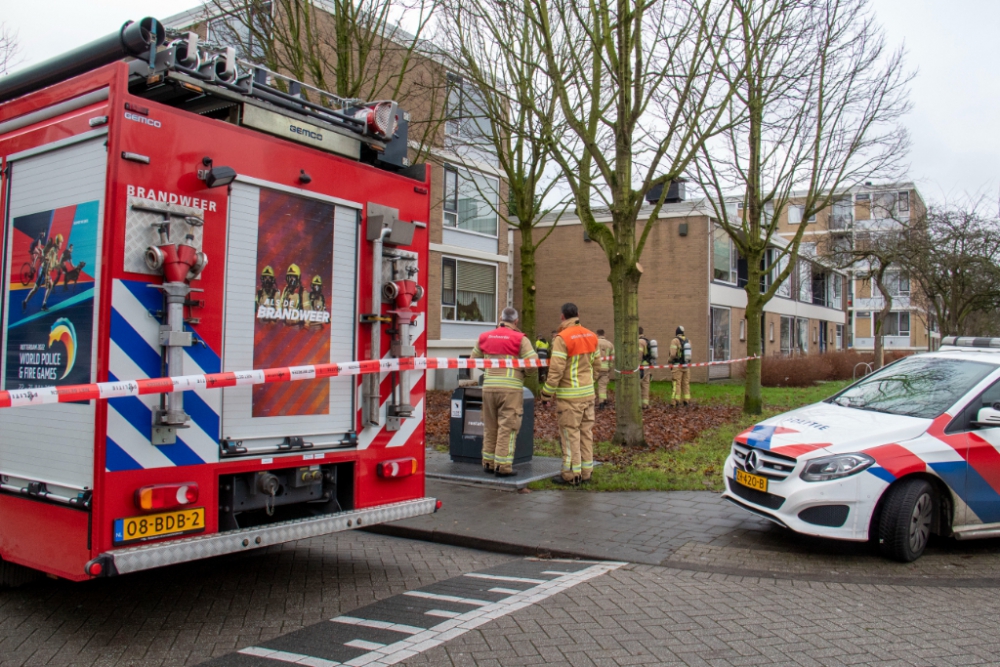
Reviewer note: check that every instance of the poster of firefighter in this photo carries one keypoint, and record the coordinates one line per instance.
(50, 297)
(292, 324)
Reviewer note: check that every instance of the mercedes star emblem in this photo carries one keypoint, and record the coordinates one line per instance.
(752, 462)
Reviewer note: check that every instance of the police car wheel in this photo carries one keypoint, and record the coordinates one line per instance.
(907, 517)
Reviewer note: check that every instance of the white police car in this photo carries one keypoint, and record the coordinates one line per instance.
(907, 451)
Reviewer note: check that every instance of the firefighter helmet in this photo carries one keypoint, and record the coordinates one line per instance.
(293, 270)
(317, 281)
(268, 272)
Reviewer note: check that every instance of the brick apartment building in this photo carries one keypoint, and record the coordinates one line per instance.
(869, 209)
(469, 255)
(692, 276)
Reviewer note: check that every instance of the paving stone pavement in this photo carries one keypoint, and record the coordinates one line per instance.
(647, 615)
(685, 529)
(186, 614)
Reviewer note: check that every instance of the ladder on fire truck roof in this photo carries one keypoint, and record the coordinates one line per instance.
(211, 81)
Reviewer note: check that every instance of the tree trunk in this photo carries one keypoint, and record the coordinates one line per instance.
(527, 319)
(753, 402)
(628, 400)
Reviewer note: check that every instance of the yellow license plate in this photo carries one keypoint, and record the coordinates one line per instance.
(753, 481)
(154, 526)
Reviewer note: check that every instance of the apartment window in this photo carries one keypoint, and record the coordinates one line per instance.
(795, 214)
(836, 291)
(470, 201)
(898, 283)
(468, 291)
(724, 257)
(720, 334)
(466, 112)
(743, 329)
(842, 214)
(787, 335)
(805, 290)
(903, 202)
(840, 336)
(896, 324)
(884, 204)
(802, 334)
(777, 263)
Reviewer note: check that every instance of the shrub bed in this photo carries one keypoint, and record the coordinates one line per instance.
(808, 369)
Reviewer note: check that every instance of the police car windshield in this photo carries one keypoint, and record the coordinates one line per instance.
(916, 386)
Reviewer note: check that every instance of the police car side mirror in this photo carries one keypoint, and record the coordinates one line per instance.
(988, 417)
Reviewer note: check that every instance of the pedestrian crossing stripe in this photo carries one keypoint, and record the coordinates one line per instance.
(358, 641)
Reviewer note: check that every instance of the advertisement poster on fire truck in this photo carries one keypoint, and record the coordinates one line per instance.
(292, 324)
(50, 302)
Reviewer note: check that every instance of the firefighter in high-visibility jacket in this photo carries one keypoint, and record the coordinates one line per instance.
(682, 376)
(503, 397)
(645, 373)
(571, 382)
(606, 350)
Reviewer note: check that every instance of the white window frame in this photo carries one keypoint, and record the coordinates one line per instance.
(733, 258)
(729, 342)
(496, 289)
(450, 216)
(801, 342)
(791, 335)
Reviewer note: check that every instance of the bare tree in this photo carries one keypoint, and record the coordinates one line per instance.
(955, 262)
(630, 77)
(877, 256)
(352, 48)
(9, 48)
(816, 112)
(492, 48)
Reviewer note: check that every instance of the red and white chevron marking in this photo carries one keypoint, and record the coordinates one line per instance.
(104, 390)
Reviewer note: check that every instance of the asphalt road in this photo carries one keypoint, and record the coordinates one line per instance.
(360, 599)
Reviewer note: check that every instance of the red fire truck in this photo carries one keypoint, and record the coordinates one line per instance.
(172, 211)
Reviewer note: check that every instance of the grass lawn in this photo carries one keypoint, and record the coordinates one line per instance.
(693, 466)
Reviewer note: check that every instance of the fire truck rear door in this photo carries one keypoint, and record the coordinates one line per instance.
(50, 333)
(291, 290)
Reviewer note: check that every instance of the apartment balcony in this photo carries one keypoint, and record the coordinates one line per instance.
(888, 342)
(841, 223)
(878, 303)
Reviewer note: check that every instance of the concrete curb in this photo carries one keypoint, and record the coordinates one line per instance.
(482, 544)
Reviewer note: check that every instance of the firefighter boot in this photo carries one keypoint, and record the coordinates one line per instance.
(575, 481)
(506, 471)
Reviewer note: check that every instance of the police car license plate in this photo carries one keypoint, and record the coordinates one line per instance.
(153, 526)
(753, 481)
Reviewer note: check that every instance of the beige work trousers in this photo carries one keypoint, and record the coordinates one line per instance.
(647, 377)
(576, 432)
(682, 385)
(603, 377)
(502, 412)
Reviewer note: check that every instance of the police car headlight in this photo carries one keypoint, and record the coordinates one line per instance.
(835, 467)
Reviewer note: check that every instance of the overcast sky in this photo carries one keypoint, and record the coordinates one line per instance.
(953, 46)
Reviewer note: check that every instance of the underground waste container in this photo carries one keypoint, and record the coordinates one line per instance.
(466, 435)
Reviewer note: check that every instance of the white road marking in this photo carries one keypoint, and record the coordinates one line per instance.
(447, 598)
(442, 613)
(361, 643)
(381, 625)
(459, 625)
(509, 591)
(498, 577)
(285, 656)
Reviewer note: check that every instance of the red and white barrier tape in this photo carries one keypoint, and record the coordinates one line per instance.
(704, 363)
(105, 390)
